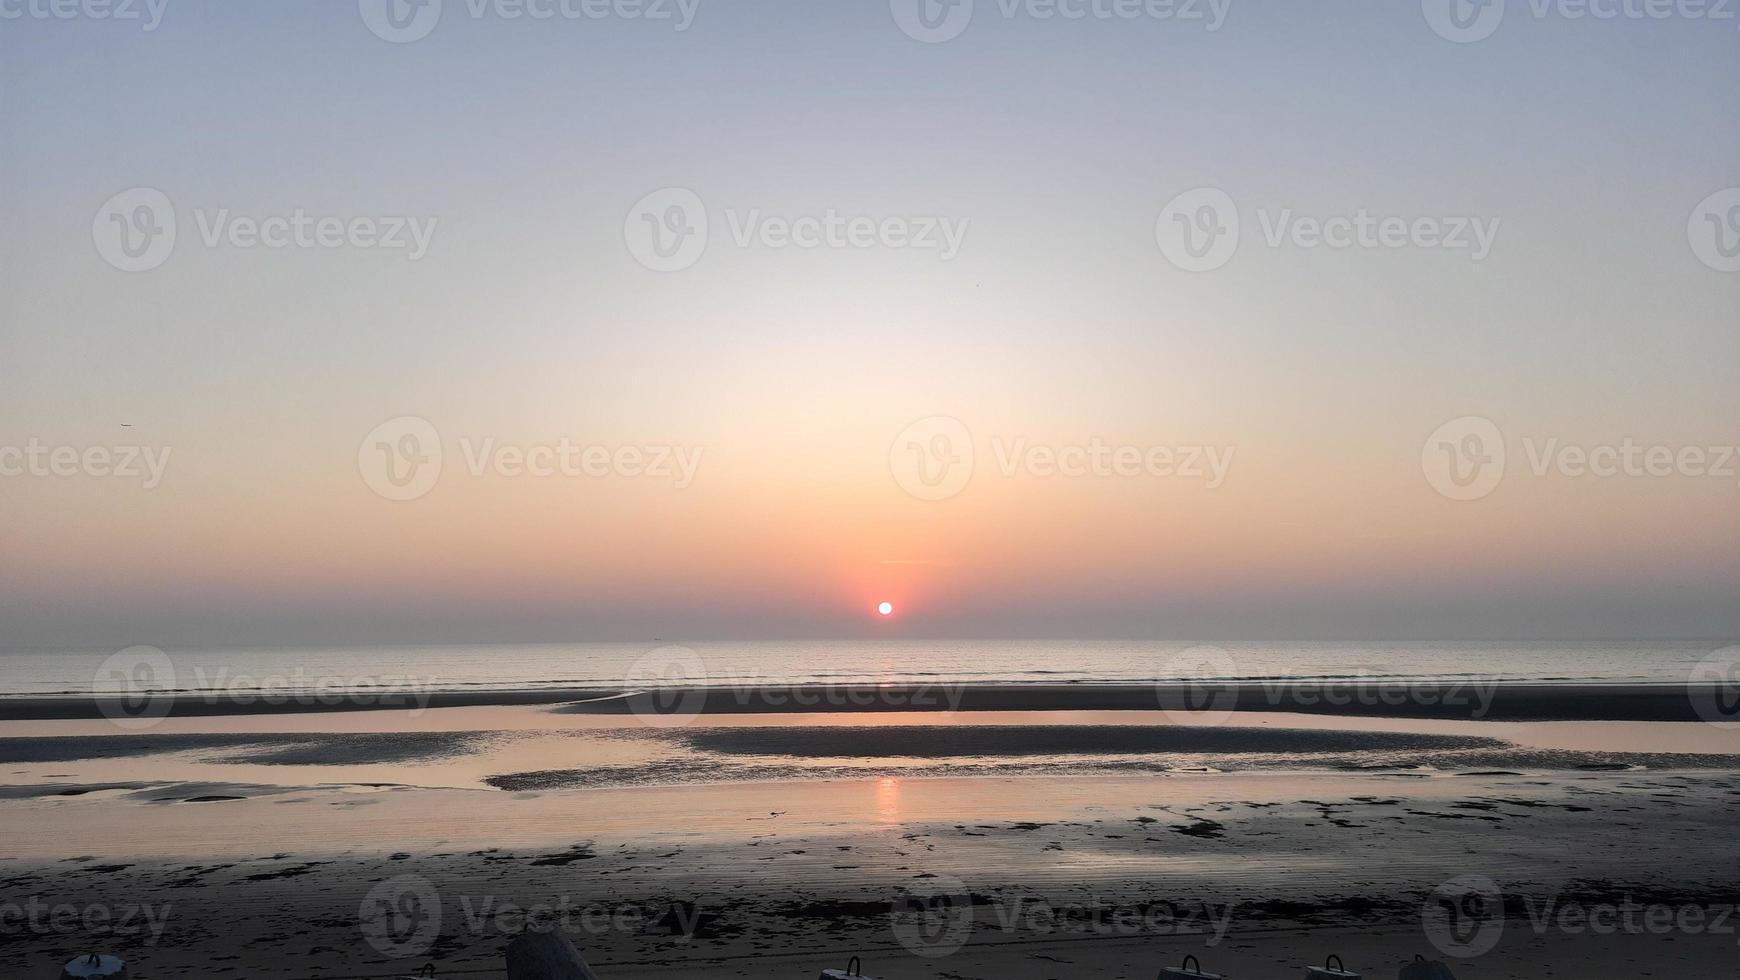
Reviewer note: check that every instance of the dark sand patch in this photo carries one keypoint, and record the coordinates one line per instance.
(361, 749)
(64, 789)
(579, 852)
(1202, 828)
(310, 749)
(76, 748)
(939, 742)
(1447, 699)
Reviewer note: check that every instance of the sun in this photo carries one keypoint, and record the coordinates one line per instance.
(886, 608)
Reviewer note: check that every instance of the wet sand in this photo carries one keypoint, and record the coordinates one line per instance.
(1117, 869)
(1038, 844)
(529, 749)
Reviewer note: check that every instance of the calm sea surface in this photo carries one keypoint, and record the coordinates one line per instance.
(1011, 661)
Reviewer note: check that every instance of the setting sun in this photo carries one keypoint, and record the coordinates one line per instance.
(886, 608)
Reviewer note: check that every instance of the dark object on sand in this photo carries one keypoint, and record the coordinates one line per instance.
(95, 967)
(1425, 969)
(545, 956)
(1330, 970)
(1190, 969)
(853, 971)
(427, 973)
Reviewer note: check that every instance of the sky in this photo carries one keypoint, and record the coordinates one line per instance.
(732, 320)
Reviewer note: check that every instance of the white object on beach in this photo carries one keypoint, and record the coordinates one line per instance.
(1190, 969)
(1328, 972)
(1424, 969)
(853, 971)
(95, 967)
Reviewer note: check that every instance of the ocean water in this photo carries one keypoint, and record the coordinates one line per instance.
(614, 665)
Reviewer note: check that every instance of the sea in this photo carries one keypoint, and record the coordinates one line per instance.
(39, 673)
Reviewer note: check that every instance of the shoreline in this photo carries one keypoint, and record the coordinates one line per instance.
(1476, 700)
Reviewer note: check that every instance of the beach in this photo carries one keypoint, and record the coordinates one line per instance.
(923, 490)
(950, 843)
